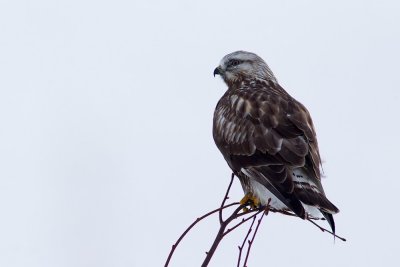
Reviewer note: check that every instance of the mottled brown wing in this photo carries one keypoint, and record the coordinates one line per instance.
(300, 117)
(272, 126)
(271, 133)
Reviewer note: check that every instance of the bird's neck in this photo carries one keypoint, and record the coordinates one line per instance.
(250, 83)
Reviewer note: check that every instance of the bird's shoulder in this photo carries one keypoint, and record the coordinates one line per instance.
(263, 117)
(261, 102)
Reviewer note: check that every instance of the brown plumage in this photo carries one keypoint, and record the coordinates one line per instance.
(268, 138)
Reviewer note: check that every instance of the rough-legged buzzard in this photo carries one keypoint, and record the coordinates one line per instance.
(268, 139)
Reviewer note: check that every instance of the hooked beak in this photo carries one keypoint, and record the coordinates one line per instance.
(217, 71)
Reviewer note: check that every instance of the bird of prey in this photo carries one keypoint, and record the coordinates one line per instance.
(268, 140)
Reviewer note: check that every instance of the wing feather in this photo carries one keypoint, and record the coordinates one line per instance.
(269, 133)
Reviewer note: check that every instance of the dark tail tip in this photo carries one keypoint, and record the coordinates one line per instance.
(330, 220)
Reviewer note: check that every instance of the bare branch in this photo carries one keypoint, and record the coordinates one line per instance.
(220, 234)
(225, 198)
(288, 213)
(252, 240)
(191, 226)
(243, 220)
(325, 230)
(245, 238)
(311, 221)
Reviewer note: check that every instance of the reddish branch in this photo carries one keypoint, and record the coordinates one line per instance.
(252, 240)
(325, 230)
(223, 231)
(220, 234)
(191, 226)
(226, 197)
(224, 223)
(244, 241)
(243, 220)
(311, 221)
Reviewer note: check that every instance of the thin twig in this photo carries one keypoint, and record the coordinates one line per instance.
(243, 221)
(288, 213)
(191, 226)
(265, 212)
(325, 230)
(310, 220)
(221, 233)
(225, 198)
(245, 238)
(235, 215)
(252, 240)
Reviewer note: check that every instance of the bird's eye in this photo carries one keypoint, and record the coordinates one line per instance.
(234, 63)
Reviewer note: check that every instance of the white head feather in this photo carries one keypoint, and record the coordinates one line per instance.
(242, 65)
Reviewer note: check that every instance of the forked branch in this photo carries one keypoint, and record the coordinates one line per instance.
(191, 226)
(252, 240)
(240, 211)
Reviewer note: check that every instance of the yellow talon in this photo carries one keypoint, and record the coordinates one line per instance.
(256, 202)
(246, 198)
(250, 198)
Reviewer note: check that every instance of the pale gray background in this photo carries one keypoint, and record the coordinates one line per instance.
(106, 153)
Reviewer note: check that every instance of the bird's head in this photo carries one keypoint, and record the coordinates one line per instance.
(240, 65)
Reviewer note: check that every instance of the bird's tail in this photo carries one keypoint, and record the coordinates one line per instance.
(329, 218)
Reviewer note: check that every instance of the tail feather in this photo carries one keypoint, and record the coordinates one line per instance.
(297, 190)
(309, 191)
(330, 220)
(290, 200)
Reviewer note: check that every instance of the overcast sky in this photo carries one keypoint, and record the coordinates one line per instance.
(106, 152)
